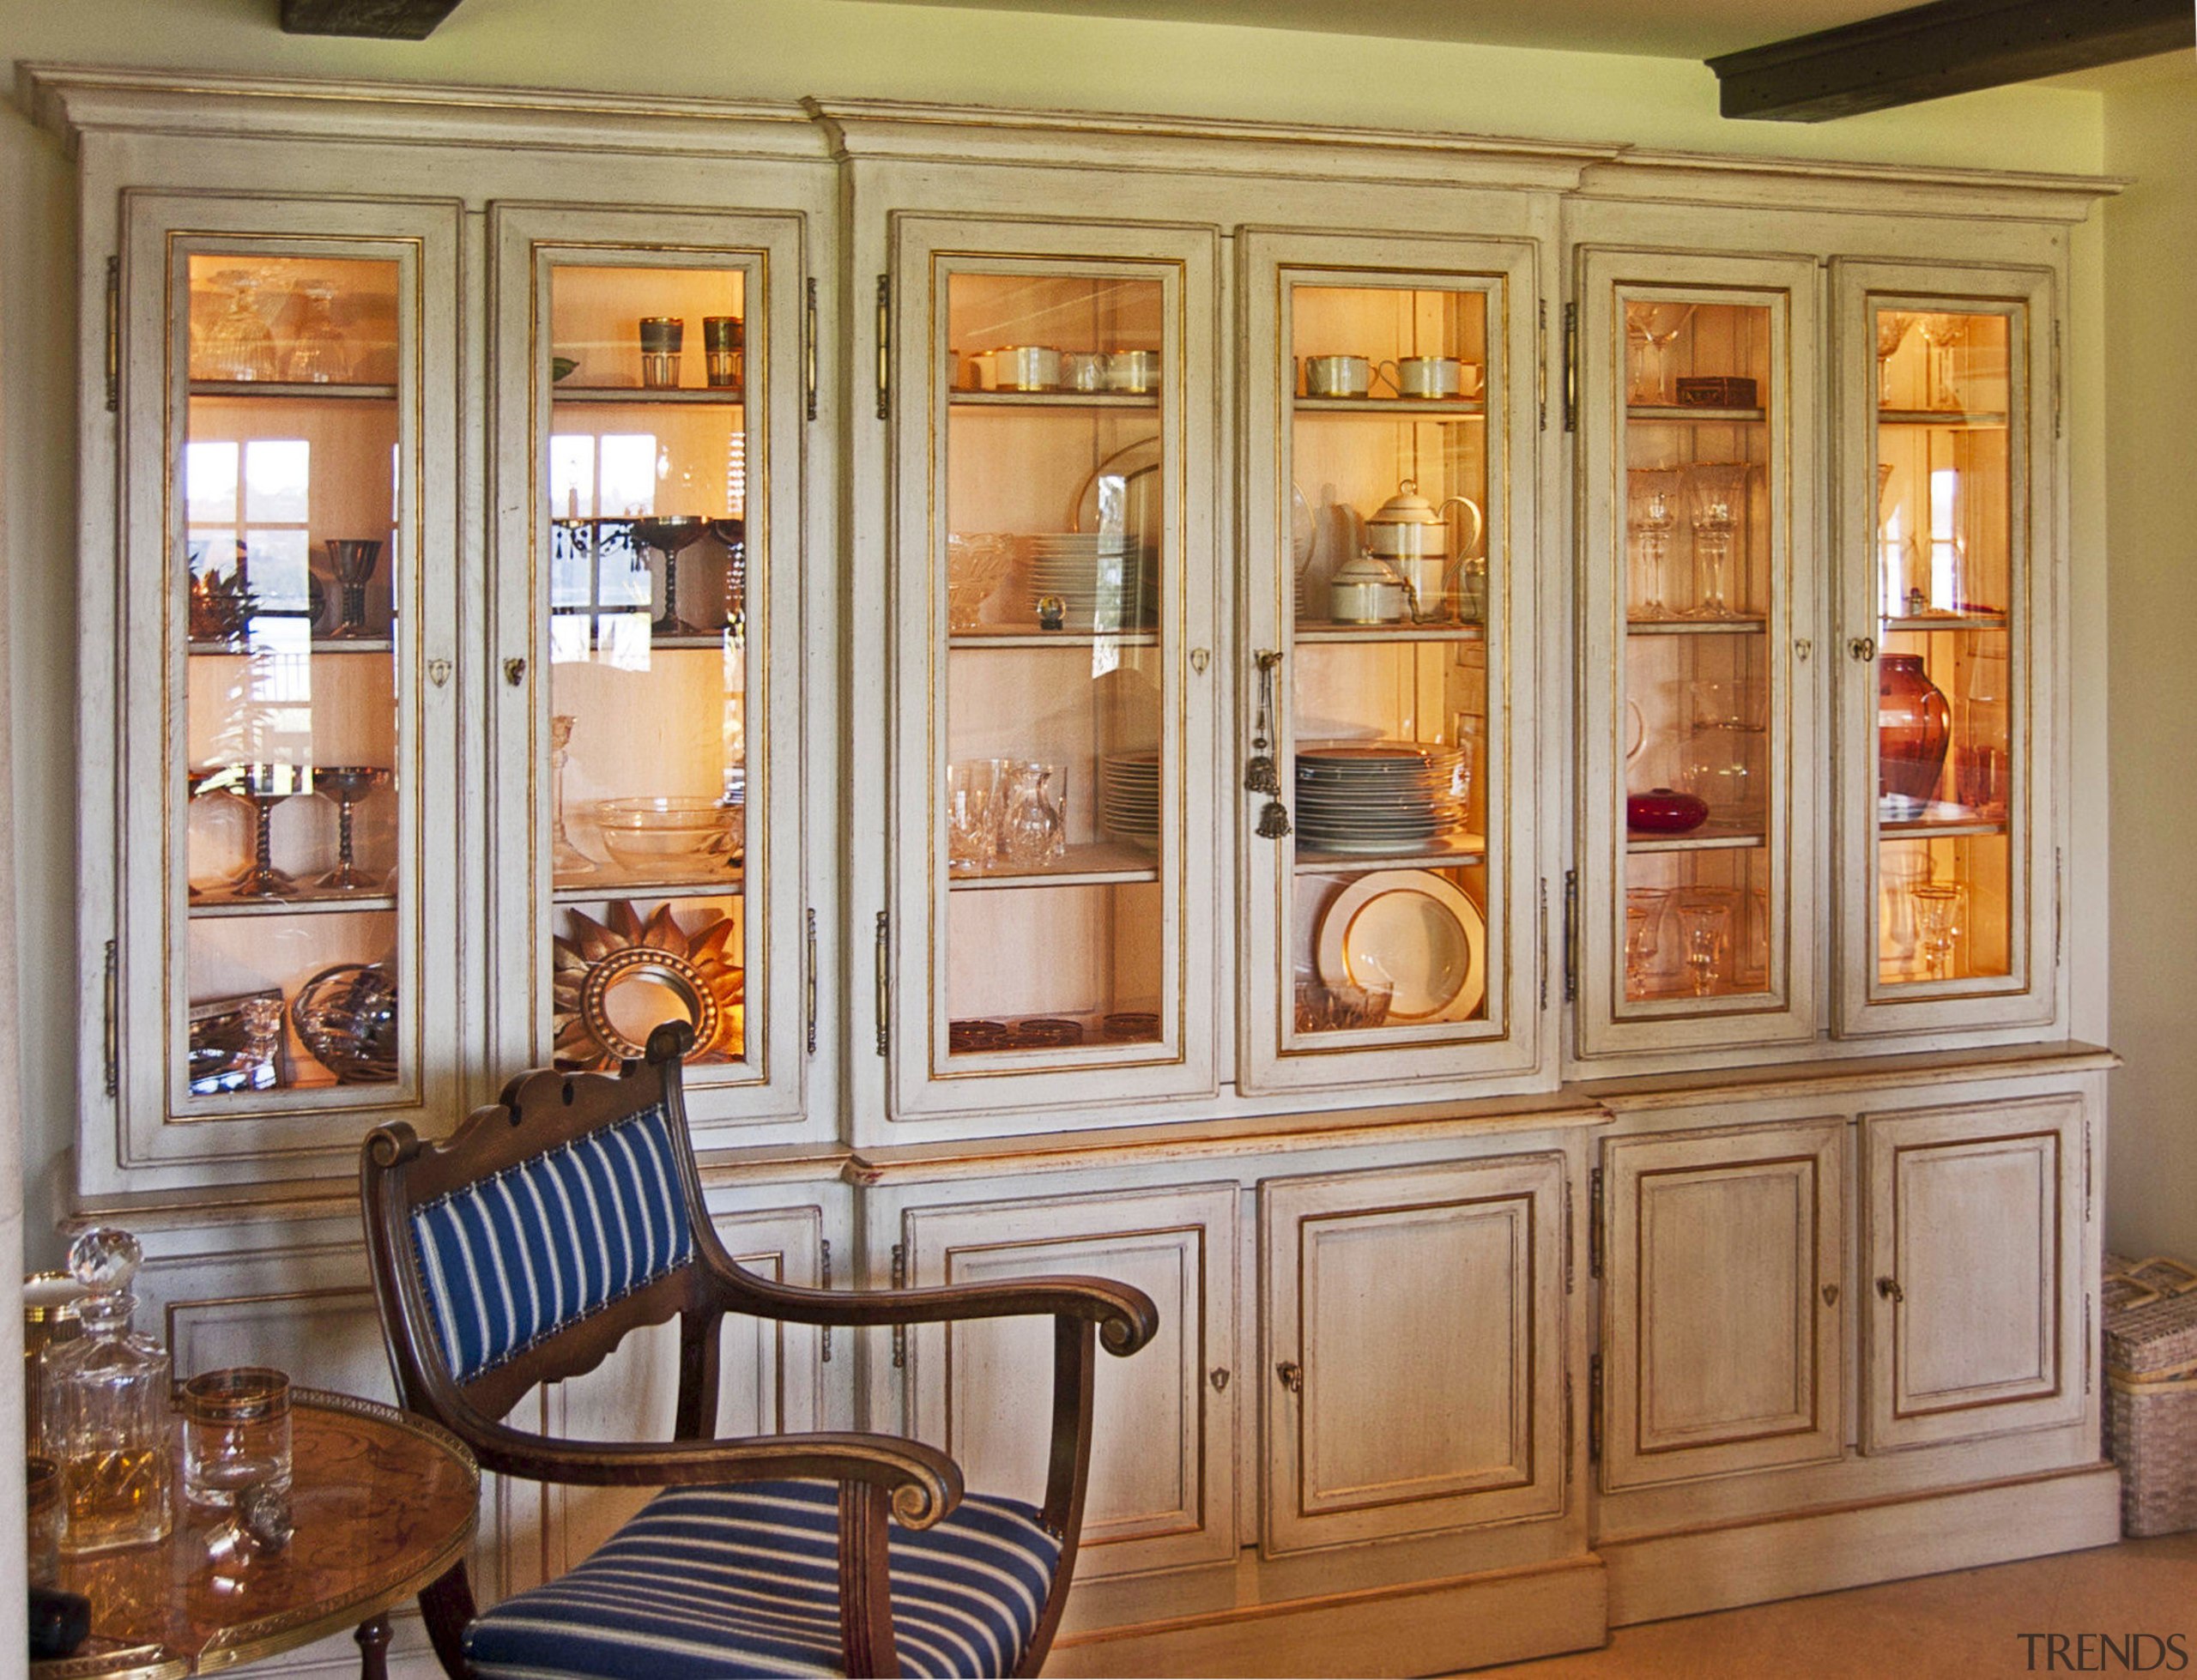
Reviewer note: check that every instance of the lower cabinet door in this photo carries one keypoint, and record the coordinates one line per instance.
(1162, 1491)
(1721, 1284)
(1976, 1278)
(1415, 1349)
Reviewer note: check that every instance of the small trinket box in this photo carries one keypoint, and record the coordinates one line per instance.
(1721, 390)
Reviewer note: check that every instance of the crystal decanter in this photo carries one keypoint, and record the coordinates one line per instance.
(104, 1407)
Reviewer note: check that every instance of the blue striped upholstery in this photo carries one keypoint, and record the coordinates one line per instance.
(509, 1259)
(705, 1583)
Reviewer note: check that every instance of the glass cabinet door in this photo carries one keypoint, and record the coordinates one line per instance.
(1051, 926)
(1948, 511)
(1698, 857)
(1384, 792)
(652, 416)
(286, 763)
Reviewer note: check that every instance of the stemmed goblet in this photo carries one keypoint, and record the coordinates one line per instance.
(1938, 922)
(238, 346)
(1706, 926)
(265, 786)
(352, 560)
(1892, 328)
(1716, 498)
(219, 780)
(669, 536)
(1651, 493)
(1938, 332)
(1653, 328)
(347, 784)
(564, 858)
(1643, 919)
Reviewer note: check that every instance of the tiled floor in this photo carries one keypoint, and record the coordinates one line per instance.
(1964, 1626)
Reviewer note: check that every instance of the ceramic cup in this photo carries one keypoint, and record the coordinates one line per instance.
(1431, 377)
(1020, 367)
(1133, 370)
(1337, 376)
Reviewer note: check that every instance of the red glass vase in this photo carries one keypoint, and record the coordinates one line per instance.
(1914, 727)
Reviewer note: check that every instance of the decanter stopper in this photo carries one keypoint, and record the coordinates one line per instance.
(105, 1260)
(104, 1407)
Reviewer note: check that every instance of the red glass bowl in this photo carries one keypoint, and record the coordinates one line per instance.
(1665, 811)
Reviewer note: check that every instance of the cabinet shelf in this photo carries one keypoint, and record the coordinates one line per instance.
(1941, 821)
(1418, 407)
(1469, 852)
(1933, 622)
(610, 882)
(328, 904)
(1711, 838)
(624, 396)
(1100, 863)
(1141, 400)
(1665, 413)
(1955, 420)
(287, 390)
(319, 644)
(1732, 627)
(1053, 638)
(1367, 633)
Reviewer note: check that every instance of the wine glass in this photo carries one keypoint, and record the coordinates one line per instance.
(1938, 918)
(1644, 920)
(1938, 334)
(267, 786)
(1892, 328)
(1655, 327)
(347, 784)
(1651, 495)
(669, 536)
(239, 345)
(1705, 926)
(1716, 500)
(352, 560)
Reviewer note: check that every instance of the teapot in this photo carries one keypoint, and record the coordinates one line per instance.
(1413, 534)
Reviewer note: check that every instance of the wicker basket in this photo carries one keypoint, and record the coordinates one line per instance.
(2151, 1410)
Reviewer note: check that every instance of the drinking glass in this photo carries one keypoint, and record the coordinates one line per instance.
(1705, 926)
(1644, 920)
(974, 810)
(662, 339)
(1653, 327)
(564, 858)
(319, 353)
(1938, 918)
(1938, 334)
(1651, 496)
(1033, 832)
(236, 1434)
(239, 345)
(1892, 328)
(724, 343)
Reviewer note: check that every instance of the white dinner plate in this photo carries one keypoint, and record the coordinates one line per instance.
(1414, 931)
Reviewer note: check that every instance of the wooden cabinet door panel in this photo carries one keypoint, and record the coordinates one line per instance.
(1720, 1294)
(1415, 1345)
(1974, 1293)
(1162, 1488)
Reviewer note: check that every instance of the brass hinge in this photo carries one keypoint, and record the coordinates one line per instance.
(1595, 1223)
(884, 983)
(1543, 926)
(2059, 913)
(824, 1281)
(883, 346)
(111, 1040)
(1540, 360)
(1568, 1228)
(1594, 1409)
(812, 980)
(899, 1281)
(1571, 367)
(1569, 1421)
(114, 334)
(808, 348)
(1571, 936)
(2089, 1352)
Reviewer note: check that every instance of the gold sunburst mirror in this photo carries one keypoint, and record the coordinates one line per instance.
(614, 980)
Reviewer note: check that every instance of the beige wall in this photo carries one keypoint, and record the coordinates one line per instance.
(2150, 238)
(781, 48)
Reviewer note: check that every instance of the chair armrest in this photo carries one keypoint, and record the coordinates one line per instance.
(1125, 1317)
(923, 1482)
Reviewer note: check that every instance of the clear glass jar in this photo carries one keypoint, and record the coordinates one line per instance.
(106, 1408)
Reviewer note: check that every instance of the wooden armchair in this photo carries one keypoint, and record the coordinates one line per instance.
(526, 1247)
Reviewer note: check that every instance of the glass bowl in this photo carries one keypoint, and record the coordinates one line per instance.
(670, 830)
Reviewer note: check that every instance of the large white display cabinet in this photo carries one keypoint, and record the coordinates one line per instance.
(453, 659)
(976, 709)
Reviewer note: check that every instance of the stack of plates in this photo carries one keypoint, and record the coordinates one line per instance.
(1101, 576)
(1129, 796)
(1380, 798)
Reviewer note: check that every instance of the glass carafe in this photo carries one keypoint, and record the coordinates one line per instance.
(1035, 831)
(104, 1408)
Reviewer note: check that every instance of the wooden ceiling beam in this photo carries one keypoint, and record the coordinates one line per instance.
(1951, 46)
(381, 19)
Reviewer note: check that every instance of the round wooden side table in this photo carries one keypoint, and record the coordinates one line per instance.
(383, 1503)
